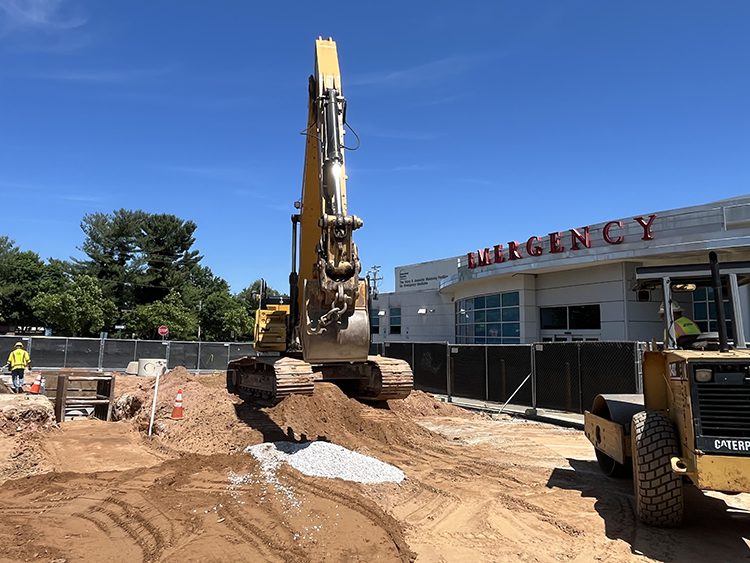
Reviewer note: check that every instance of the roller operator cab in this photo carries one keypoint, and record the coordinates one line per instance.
(322, 331)
(691, 425)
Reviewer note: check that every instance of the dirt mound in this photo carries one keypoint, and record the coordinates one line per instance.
(217, 422)
(210, 424)
(24, 413)
(419, 404)
(329, 414)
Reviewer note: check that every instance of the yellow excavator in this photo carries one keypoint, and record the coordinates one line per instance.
(321, 332)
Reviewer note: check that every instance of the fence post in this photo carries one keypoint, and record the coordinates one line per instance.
(65, 354)
(580, 380)
(412, 357)
(229, 352)
(28, 348)
(198, 359)
(486, 375)
(101, 352)
(166, 354)
(448, 370)
(533, 376)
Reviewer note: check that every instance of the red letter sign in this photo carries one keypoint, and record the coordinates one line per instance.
(513, 253)
(472, 260)
(584, 239)
(646, 226)
(533, 247)
(607, 237)
(554, 243)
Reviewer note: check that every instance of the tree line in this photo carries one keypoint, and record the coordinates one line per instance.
(140, 271)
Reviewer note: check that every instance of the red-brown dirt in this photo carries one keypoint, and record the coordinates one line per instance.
(476, 489)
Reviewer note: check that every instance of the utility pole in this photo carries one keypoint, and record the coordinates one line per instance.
(374, 277)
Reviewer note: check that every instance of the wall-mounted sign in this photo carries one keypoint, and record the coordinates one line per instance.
(557, 243)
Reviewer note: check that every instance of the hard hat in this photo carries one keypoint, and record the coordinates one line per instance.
(676, 308)
(17, 344)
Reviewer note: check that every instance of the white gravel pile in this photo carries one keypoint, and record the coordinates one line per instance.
(323, 459)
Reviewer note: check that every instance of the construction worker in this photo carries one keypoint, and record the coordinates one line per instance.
(18, 360)
(685, 330)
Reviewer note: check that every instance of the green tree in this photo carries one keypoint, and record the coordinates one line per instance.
(79, 309)
(224, 318)
(144, 320)
(111, 245)
(165, 243)
(20, 276)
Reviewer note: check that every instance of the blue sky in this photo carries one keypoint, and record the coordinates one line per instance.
(480, 122)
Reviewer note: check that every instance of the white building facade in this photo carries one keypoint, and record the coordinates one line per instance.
(572, 285)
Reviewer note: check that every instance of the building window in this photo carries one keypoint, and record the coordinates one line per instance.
(575, 317)
(704, 311)
(374, 321)
(489, 319)
(395, 320)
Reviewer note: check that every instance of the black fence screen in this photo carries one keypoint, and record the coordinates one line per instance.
(558, 376)
(607, 367)
(468, 377)
(430, 367)
(115, 354)
(566, 375)
(507, 368)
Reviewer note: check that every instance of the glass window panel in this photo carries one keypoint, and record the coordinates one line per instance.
(713, 326)
(479, 316)
(730, 329)
(479, 302)
(710, 291)
(494, 330)
(510, 299)
(728, 310)
(480, 341)
(711, 310)
(480, 330)
(703, 325)
(584, 317)
(511, 329)
(395, 330)
(494, 341)
(512, 340)
(511, 314)
(554, 317)
(492, 301)
(700, 310)
(493, 315)
(700, 294)
(467, 304)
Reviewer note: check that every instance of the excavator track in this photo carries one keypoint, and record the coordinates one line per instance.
(270, 379)
(390, 379)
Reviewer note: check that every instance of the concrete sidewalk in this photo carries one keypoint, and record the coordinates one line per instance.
(560, 418)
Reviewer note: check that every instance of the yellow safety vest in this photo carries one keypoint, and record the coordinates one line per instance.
(18, 359)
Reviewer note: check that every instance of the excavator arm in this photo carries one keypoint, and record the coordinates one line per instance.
(330, 317)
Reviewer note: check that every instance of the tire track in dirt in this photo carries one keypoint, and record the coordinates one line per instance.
(366, 508)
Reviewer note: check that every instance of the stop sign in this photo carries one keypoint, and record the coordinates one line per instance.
(163, 330)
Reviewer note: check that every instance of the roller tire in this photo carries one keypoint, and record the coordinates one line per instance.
(658, 490)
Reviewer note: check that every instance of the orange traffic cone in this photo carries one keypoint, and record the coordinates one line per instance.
(37, 385)
(177, 410)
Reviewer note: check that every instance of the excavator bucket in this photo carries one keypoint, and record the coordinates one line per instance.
(346, 340)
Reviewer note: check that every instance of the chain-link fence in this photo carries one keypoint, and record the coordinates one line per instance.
(564, 376)
(114, 354)
(561, 376)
